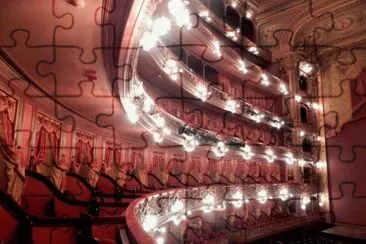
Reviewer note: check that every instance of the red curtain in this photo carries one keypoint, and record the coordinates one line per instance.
(161, 162)
(84, 152)
(7, 127)
(117, 156)
(47, 143)
(155, 161)
(108, 157)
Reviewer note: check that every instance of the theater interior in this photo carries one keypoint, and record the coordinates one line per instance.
(182, 121)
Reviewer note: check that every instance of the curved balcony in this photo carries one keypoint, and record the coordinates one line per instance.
(209, 214)
(203, 43)
(179, 124)
(230, 35)
(211, 94)
(200, 40)
(134, 100)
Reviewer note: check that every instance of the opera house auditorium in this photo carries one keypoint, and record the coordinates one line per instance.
(182, 121)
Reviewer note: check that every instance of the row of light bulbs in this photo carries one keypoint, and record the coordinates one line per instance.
(202, 92)
(162, 25)
(159, 28)
(190, 142)
(209, 204)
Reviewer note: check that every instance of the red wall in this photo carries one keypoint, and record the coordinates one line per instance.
(346, 154)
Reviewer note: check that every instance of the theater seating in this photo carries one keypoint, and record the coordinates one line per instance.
(18, 227)
(58, 217)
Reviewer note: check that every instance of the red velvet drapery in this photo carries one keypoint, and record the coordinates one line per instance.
(47, 145)
(7, 118)
(84, 152)
(108, 158)
(7, 127)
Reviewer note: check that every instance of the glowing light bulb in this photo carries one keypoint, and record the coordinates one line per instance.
(290, 158)
(316, 106)
(232, 35)
(137, 89)
(209, 199)
(162, 230)
(262, 196)
(171, 68)
(264, 80)
(131, 110)
(284, 194)
(166, 131)
(270, 156)
(246, 152)
(160, 240)
(220, 149)
(202, 92)
(298, 98)
(302, 133)
(150, 222)
(249, 14)
(178, 9)
(321, 200)
(306, 67)
(253, 50)
(216, 48)
(148, 40)
(277, 124)
(242, 66)
(320, 164)
(234, 4)
(305, 200)
(158, 120)
(258, 117)
(161, 26)
(158, 138)
(147, 105)
(238, 199)
(232, 105)
(177, 206)
(189, 143)
(205, 14)
(283, 89)
(301, 162)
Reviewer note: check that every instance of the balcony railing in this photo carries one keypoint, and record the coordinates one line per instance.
(218, 98)
(217, 25)
(147, 215)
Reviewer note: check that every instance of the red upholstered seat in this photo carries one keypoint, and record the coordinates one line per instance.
(154, 182)
(105, 185)
(36, 197)
(54, 235)
(77, 189)
(8, 227)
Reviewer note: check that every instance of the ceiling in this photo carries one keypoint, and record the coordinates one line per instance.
(60, 47)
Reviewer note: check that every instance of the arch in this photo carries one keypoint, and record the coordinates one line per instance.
(232, 17)
(303, 83)
(248, 29)
(196, 65)
(306, 145)
(211, 75)
(304, 113)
